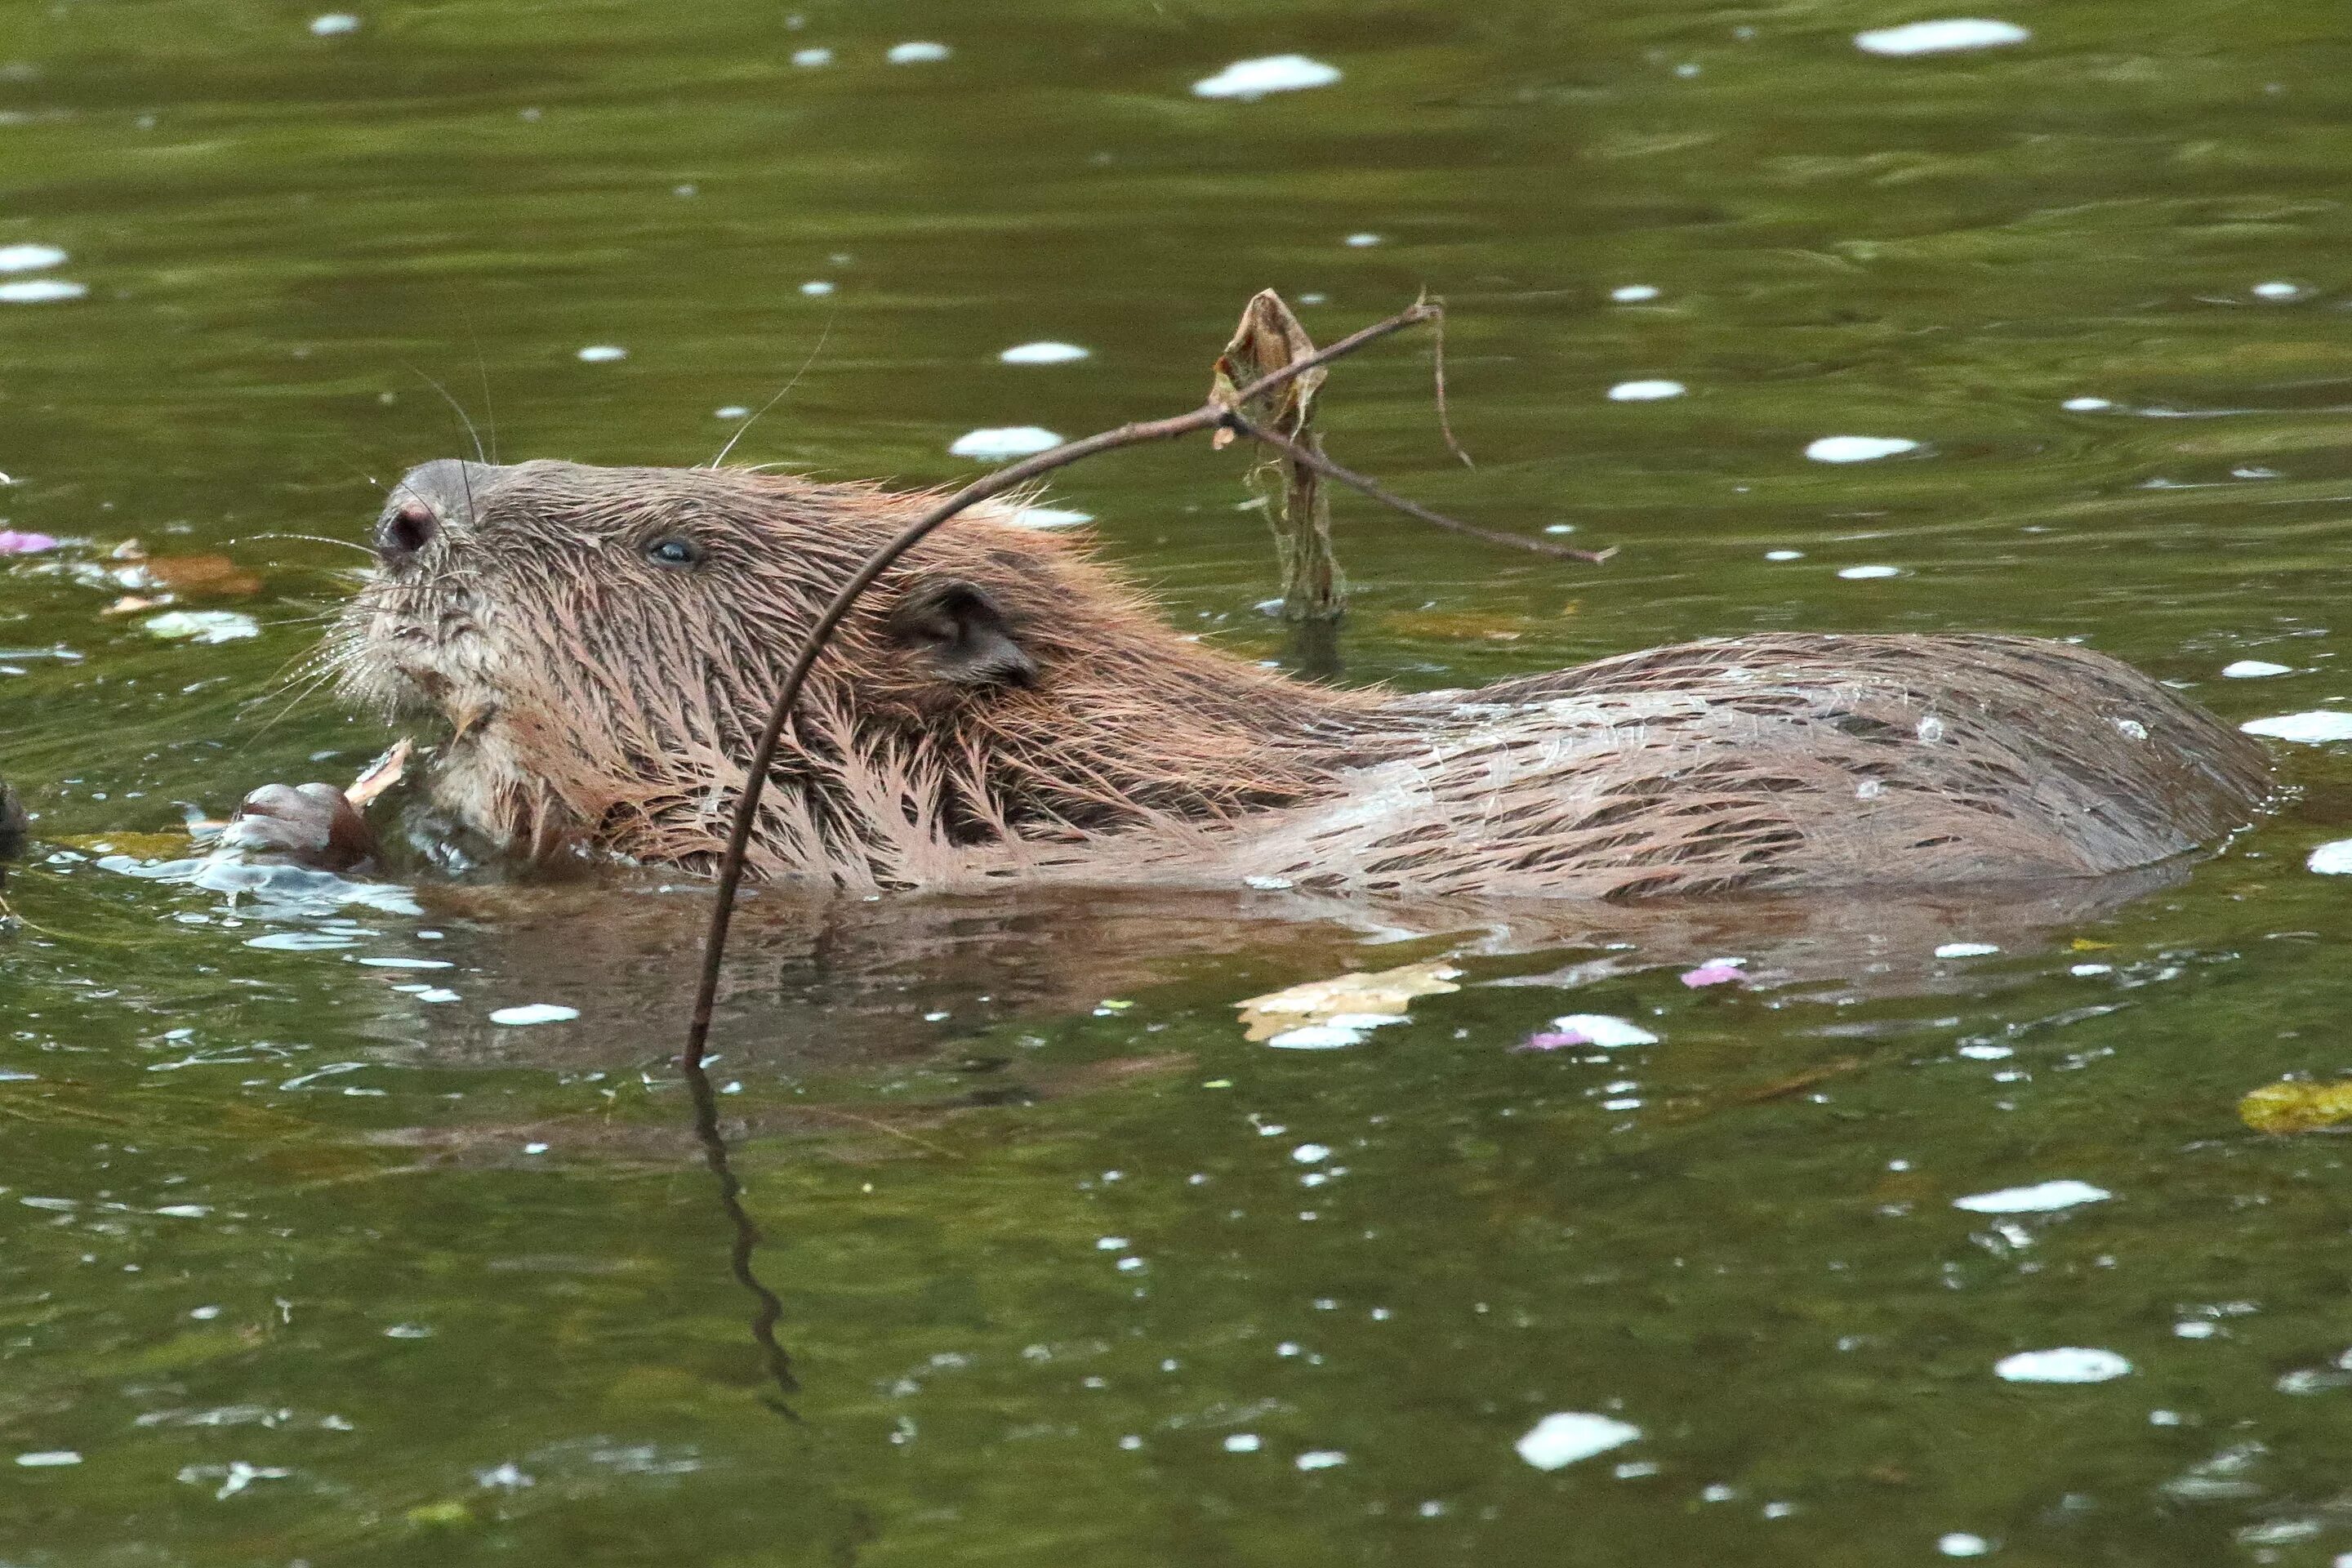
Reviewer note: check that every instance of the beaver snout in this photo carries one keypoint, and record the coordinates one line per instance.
(411, 526)
(430, 501)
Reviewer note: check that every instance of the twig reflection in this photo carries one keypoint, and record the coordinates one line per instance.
(747, 1238)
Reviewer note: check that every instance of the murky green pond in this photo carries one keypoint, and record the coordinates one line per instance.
(304, 1258)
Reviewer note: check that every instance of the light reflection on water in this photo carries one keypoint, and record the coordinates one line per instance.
(1051, 1264)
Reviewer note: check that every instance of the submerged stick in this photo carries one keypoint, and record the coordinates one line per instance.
(1211, 416)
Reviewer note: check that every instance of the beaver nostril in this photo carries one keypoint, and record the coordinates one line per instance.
(407, 532)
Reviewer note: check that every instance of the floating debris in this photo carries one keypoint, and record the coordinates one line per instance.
(2315, 728)
(2295, 1105)
(2070, 1363)
(1590, 1029)
(1645, 391)
(1714, 972)
(1004, 441)
(14, 543)
(1042, 354)
(2333, 858)
(1941, 37)
(1251, 80)
(202, 627)
(534, 1012)
(1325, 1014)
(1565, 1436)
(2045, 1197)
(1858, 448)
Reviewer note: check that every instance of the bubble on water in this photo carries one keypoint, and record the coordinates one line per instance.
(810, 58)
(1565, 1436)
(1362, 241)
(1243, 1443)
(603, 353)
(30, 257)
(2069, 1364)
(732, 411)
(1967, 948)
(1960, 1543)
(1784, 555)
(1321, 1459)
(2044, 1197)
(40, 291)
(2253, 669)
(2333, 858)
(2315, 728)
(334, 24)
(49, 1459)
(817, 288)
(1004, 441)
(534, 1012)
(1858, 448)
(918, 53)
(1940, 38)
(1042, 354)
(2086, 405)
(300, 941)
(1249, 80)
(1645, 391)
(1634, 293)
(2277, 290)
(1309, 1154)
(1866, 573)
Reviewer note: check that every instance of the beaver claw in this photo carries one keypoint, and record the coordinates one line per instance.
(314, 826)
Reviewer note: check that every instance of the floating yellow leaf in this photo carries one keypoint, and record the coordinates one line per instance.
(1323, 1014)
(2293, 1106)
(2085, 944)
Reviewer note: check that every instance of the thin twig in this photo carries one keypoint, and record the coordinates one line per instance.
(1307, 456)
(1207, 417)
(1437, 368)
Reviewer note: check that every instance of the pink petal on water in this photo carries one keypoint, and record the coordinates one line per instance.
(14, 543)
(1552, 1040)
(1715, 974)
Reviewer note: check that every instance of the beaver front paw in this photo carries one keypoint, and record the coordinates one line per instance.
(315, 825)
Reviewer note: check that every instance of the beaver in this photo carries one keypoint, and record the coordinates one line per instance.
(603, 644)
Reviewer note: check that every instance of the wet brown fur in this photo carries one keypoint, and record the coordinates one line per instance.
(604, 702)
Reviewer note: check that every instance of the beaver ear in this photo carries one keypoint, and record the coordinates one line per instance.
(963, 631)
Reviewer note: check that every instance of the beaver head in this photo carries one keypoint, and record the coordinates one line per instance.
(605, 643)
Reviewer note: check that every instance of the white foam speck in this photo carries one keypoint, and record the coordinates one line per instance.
(2254, 669)
(1567, 1436)
(1965, 949)
(1362, 241)
(809, 57)
(40, 291)
(534, 1148)
(2086, 405)
(1004, 441)
(2042, 1198)
(2315, 728)
(1784, 555)
(603, 353)
(207, 626)
(1321, 1459)
(2276, 290)
(30, 257)
(2332, 859)
(1960, 1543)
(1050, 517)
(1330, 1036)
(1940, 38)
(817, 288)
(732, 411)
(1243, 1443)
(2088, 970)
(2196, 1329)
(1645, 391)
(1858, 448)
(438, 993)
(2071, 1363)
(918, 53)
(1255, 78)
(1863, 573)
(334, 24)
(1042, 354)
(49, 1459)
(1981, 1053)
(1309, 1154)
(1601, 1029)
(535, 1012)
(1634, 293)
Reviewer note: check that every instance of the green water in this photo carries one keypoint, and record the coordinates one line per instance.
(306, 1268)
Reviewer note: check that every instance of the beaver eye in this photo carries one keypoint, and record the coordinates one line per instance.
(674, 551)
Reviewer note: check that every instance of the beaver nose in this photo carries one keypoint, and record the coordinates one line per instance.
(411, 527)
